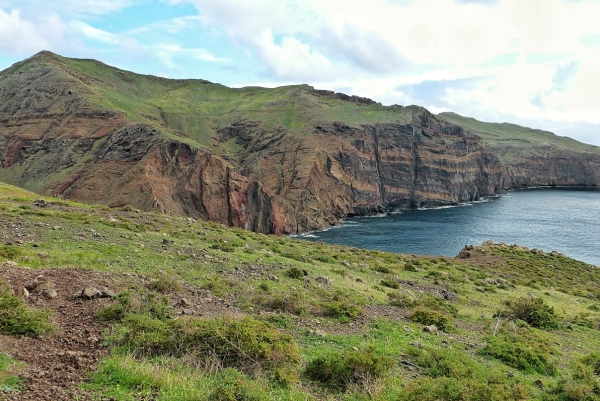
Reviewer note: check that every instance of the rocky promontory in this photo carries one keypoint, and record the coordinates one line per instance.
(283, 160)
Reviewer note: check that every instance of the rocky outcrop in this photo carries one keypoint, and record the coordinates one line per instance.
(57, 137)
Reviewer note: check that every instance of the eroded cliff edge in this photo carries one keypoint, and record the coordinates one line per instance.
(282, 161)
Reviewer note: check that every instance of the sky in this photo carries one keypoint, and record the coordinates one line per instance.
(530, 62)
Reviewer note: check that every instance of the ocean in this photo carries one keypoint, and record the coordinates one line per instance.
(566, 220)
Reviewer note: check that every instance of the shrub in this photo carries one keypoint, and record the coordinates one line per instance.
(343, 310)
(534, 311)
(582, 382)
(295, 273)
(289, 302)
(250, 345)
(145, 303)
(443, 363)
(10, 251)
(235, 386)
(18, 318)
(522, 349)
(352, 367)
(428, 317)
(165, 283)
(390, 284)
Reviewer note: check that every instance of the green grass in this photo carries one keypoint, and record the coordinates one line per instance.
(512, 142)
(325, 303)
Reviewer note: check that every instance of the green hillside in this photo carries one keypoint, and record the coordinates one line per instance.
(195, 108)
(511, 140)
(274, 318)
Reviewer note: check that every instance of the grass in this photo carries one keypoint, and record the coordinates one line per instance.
(328, 308)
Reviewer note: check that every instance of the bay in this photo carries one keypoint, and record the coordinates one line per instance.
(552, 219)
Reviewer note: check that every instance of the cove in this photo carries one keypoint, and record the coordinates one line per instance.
(566, 220)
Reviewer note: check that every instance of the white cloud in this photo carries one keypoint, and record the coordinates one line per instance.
(19, 35)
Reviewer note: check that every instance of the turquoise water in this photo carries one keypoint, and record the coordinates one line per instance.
(565, 220)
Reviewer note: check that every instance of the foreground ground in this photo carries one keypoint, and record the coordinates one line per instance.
(188, 310)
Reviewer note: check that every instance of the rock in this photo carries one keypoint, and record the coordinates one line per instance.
(324, 280)
(320, 333)
(416, 344)
(464, 254)
(187, 312)
(42, 254)
(50, 293)
(185, 302)
(11, 263)
(48, 285)
(22, 292)
(90, 292)
(107, 294)
(407, 329)
(431, 329)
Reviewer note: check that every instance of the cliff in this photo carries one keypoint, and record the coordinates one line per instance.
(533, 157)
(282, 160)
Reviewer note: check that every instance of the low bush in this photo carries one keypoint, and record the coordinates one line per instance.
(390, 284)
(451, 375)
(472, 389)
(233, 385)
(523, 349)
(534, 311)
(295, 273)
(343, 310)
(582, 383)
(247, 344)
(165, 283)
(428, 317)
(352, 367)
(18, 318)
(142, 303)
(442, 362)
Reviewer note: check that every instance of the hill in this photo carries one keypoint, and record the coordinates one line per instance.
(533, 157)
(282, 160)
(99, 303)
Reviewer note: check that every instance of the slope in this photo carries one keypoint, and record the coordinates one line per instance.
(206, 312)
(280, 160)
(534, 157)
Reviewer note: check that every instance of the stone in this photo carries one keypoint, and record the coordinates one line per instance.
(22, 292)
(185, 302)
(320, 333)
(90, 292)
(107, 294)
(324, 280)
(11, 263)
(187, 312)
(42, 254)
(48, 285)
(50, 293)
(430, 329)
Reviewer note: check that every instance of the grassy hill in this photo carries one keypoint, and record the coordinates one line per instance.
(511, 141)
(205, 312)
(192, 110)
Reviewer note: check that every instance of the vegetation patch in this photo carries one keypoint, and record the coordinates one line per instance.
(357, 367)
(18, 318)
(523, 349)
(533, 311)
(250, 345)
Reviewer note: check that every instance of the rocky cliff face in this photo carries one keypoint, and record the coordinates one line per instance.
(55, 138)
(553, 168)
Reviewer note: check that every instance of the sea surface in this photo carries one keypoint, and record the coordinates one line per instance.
(560, 219)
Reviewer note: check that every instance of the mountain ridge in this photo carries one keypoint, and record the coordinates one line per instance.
(274, 160)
